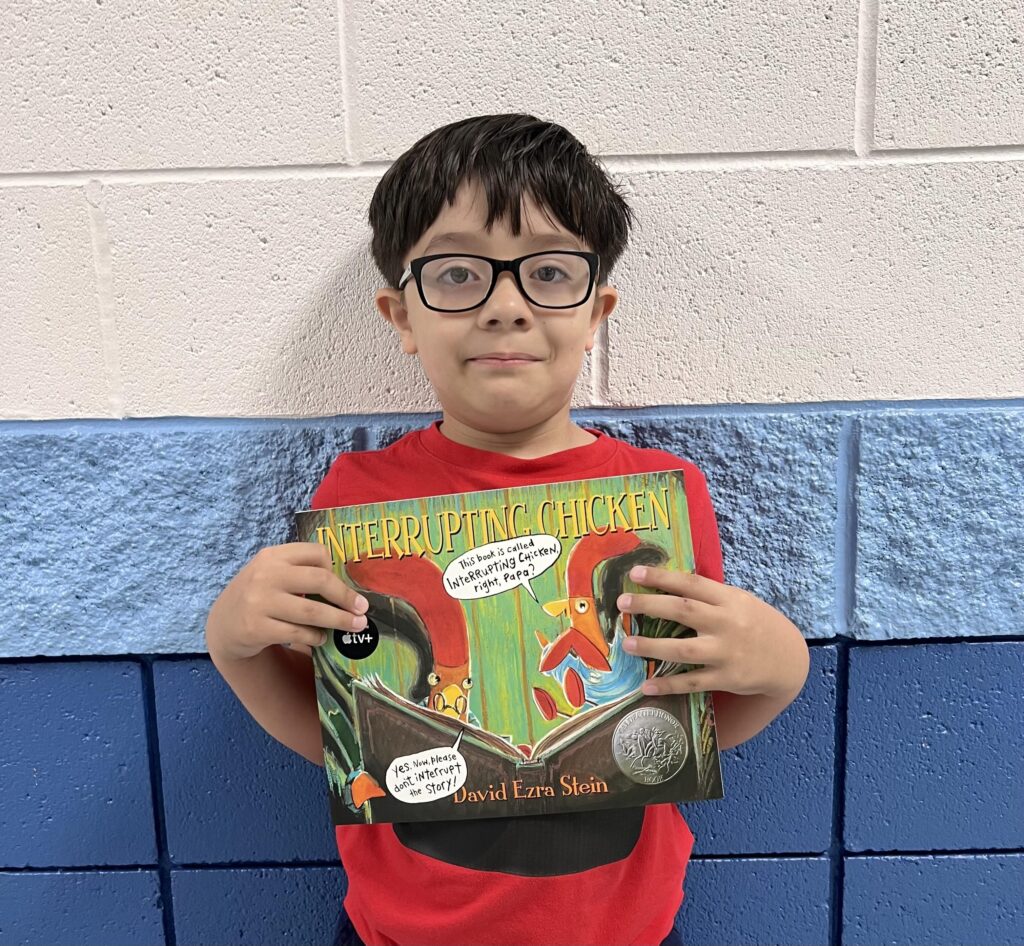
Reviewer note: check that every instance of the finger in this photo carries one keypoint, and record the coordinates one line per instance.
(288, 634)
(693, 681)
(682, 584)
(309, 580)
(689, 611)
(306, 611)
(683, 650)
(304, 553)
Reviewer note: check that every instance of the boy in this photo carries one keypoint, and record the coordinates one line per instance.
(502, 347)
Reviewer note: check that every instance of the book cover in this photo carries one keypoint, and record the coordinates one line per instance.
(490, 679)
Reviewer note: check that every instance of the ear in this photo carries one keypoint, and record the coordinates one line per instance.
(605, 300)
(391, 305)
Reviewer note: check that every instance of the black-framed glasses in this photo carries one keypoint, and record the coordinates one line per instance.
(458, 282)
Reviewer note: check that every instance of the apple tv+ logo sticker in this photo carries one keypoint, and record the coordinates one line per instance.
(357, 644)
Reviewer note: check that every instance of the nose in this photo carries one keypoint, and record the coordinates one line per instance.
(506, 306)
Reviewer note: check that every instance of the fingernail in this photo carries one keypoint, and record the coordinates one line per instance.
(358, 622)
(651, 689)
(361, 604)
(638, 573)
(629, 644)
(625, 602)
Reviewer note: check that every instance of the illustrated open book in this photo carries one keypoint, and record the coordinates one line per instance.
(491, 679)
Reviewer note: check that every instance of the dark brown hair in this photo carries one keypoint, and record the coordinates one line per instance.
(509, 156)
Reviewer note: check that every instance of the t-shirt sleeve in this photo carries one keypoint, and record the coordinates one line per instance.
(707, 548)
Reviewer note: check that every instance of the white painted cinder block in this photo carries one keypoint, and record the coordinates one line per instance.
(255, 299)
(649, 77)
(793, 285)
(950, 74)
(50, 324)
(196, 83)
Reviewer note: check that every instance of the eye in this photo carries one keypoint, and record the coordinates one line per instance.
(460, 275)
(582, 606)
(550, 273)
(433, 679)
(467, 683)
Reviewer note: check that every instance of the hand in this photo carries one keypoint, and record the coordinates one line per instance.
(744, 644)
(264, 604)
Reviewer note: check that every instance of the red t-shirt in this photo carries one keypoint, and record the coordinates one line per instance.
(606, 877)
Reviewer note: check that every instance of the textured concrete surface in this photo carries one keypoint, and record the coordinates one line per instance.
(934, 745)
(974, 901)
(74, 766)
(772, 478)
(787, 767)
(118, 540)
(53, 356)
(75, 908)
(170, 85)
(651, 77)
(230, 791)
(756, 901)
(819, 284)
(949, 74)
(296, 906)
(940, 525)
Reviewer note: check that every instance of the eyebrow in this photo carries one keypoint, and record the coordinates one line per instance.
(537, 240)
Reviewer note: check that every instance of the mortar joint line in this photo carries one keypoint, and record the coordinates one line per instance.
(867, 79)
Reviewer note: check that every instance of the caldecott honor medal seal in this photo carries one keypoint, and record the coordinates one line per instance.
(649, 745)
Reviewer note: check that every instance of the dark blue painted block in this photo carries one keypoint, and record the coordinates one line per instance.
(117, 539)
(97, 908)
(74, 766)
(231, 792)
(756, 901)
(258, 906)
(939, 525)
(786, 768)
(934, 747)
(969, 900)
(772, 478)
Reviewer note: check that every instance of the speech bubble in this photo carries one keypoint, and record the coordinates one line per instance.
(428, 775)
(498, 566)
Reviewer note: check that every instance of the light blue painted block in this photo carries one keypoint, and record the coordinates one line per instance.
(957, 900)
(258, 906)
(118, 537)
(77, 908)
(74, 766)
(940, 503)
(756, 901)
(935, 738)
(785, 768)
(231, 792)
(772, 479)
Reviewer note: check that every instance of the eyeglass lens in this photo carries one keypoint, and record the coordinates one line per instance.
(458, 282)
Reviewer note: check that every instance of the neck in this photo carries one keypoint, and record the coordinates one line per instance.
(550, 436)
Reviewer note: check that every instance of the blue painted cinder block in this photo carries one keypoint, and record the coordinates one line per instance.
(772, 478)
(74, 766)
(756, 901)
(258, 906)
(785, 768)
(934, 747)
(939, 524)
(961, 899)
(78, 908)
(117, 540)
(231, 791)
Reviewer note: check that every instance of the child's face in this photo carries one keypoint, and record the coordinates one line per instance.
(497, 395)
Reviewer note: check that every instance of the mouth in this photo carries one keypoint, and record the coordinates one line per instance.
(505, 358)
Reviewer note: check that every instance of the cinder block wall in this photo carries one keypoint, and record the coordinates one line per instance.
(820, 307)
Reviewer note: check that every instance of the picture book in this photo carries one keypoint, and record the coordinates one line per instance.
(491, 678)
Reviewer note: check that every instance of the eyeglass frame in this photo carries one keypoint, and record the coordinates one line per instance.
(499, 266)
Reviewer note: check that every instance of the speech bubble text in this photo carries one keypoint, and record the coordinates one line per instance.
(498, 566)
(428, 775)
